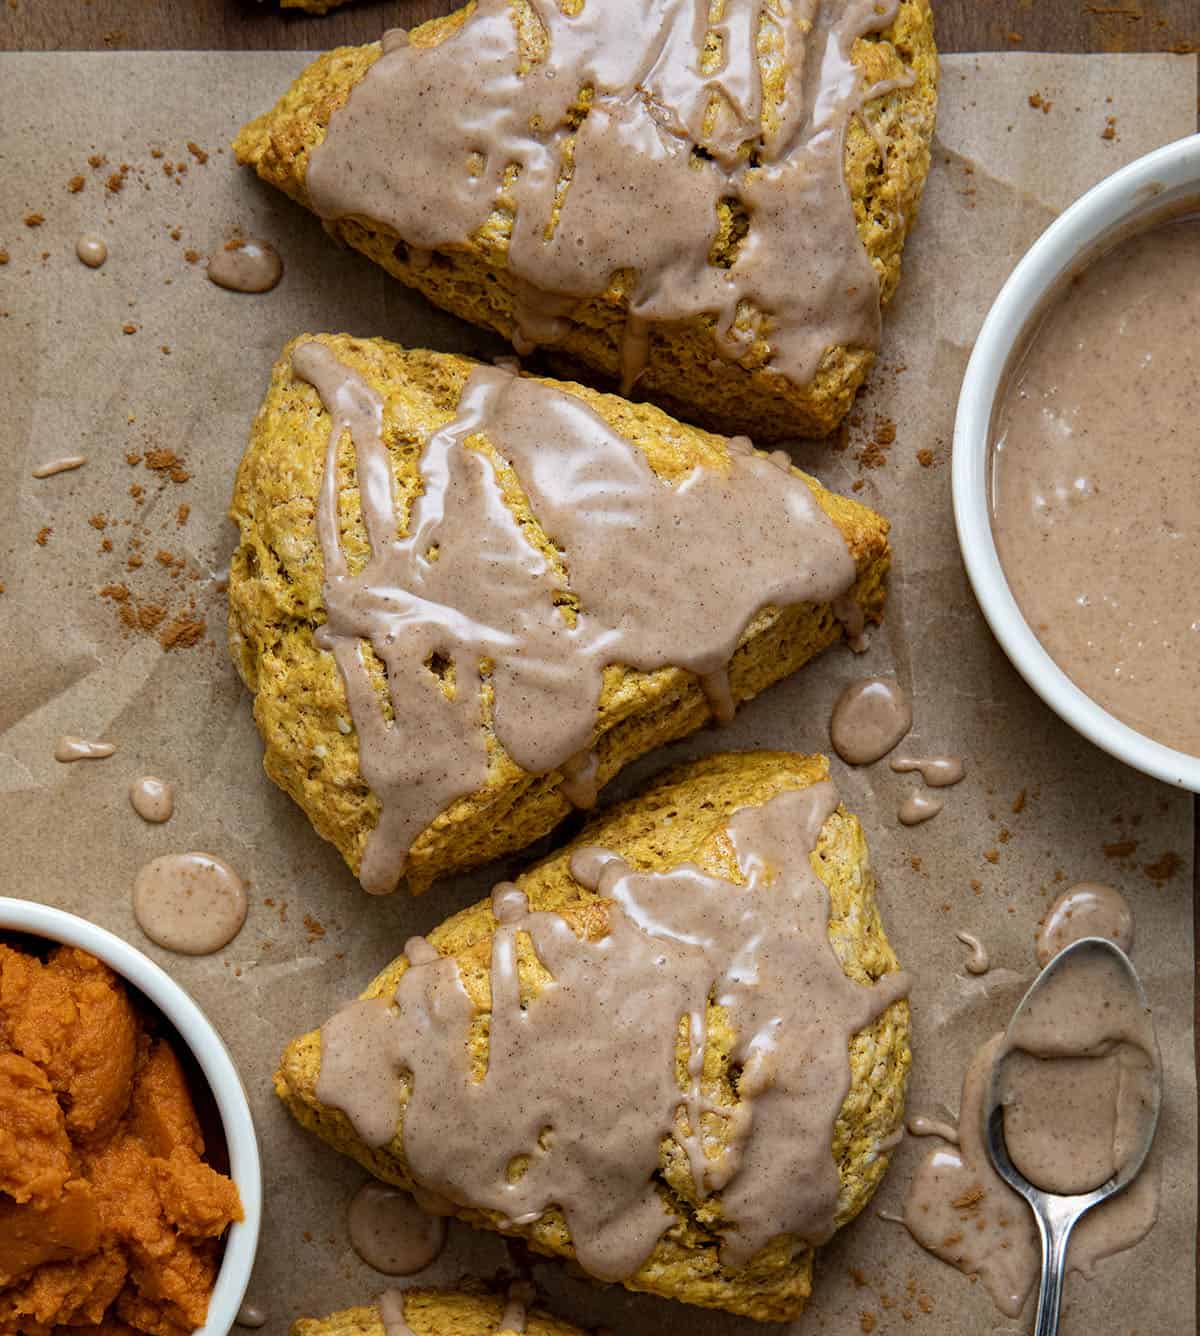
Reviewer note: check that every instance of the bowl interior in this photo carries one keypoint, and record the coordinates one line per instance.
(231, 1145)
(1162, 184)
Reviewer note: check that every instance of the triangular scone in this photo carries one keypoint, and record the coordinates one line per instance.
(278, 585)
(435, 1313)
(685, 819)
(727, 116)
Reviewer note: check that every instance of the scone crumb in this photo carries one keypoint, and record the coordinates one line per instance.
(1018, 803)
(925, 457)
(197, 152)
(97, 160)
(191, 256)
(866, 1320)
(1120, 848)
(3, 255)
(992, 855)
(1110, 128)
(34, 219)
(1040, 103)
(129, 328)
(181, 515)
(182, 632)
(43, 535)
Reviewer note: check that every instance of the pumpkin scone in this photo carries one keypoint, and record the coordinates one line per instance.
(425, 1312)
(676, 1051)
(707, 201)
(464, 599)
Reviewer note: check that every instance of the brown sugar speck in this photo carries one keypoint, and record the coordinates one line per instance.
(43, 535)
(182, 632)
(197, 152)
(181, 515)
(75, 184)
(34, 219)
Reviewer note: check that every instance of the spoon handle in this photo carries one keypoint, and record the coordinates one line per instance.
(1054, 1230)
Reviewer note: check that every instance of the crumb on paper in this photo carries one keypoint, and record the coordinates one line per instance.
(129, 328)
(976, 886)
(97, 160)
(992, 855)
(34, 219)
(75, 184)
(43, 535)
(181, 515)
(1163, 868)
(925, 457)
(3, 255)
(1120, 848)
(1018, 803)
(858, 1276)
(182, 632)
(137, 491)
(99, 521)
(197, 152)
(866, 1321)
(968, 1200)
(116, 180)
(1040, 103)
(191, 256)
(1110, 128)
(1005, 835)
(314, 927)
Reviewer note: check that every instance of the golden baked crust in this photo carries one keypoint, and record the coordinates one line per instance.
(434, 1313)
(275, 605)
(686, 371)
(683, 818)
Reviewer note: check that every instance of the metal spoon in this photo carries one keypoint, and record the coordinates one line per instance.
(1057, 1215)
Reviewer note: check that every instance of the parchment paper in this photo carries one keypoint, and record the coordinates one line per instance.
(72, 381)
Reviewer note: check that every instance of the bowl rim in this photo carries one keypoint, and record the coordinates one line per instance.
(201, 1037)
(1134, 193)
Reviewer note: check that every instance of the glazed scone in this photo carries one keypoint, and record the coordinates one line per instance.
(681, 820)
(732, 376)
(276, 608)
(435, 1313)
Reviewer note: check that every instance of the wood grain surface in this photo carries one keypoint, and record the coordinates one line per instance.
(242, 25)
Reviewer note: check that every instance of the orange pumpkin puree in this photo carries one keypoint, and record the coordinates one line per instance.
(109, 1217)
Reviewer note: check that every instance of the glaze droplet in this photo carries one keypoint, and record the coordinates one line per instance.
(153, 799)
(246, 266)
(937, 771)
(190, 903)
(391, 1233)
(63, 465)
(92, 250)
(1087, 909)
(869, 718)
(979, 962)
(918, 807)
(71, 748)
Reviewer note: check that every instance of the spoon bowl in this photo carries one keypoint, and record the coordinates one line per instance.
(1056, 1214)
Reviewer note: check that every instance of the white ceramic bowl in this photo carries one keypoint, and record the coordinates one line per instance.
(1135, 194)
(214, 1061)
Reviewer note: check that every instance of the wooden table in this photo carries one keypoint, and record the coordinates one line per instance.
(962, 25)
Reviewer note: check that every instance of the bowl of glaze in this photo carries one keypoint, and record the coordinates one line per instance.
(204, 1056)
(1146, 191)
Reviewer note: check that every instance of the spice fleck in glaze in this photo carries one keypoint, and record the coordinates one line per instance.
(591, 1114)
(494, 632)
(657, 186)
(1096, 485)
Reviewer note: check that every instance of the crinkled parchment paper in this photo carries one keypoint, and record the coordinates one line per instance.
(1039, 804)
